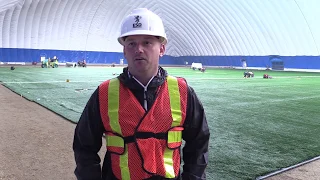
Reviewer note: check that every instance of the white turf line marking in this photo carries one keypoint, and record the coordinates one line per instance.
(39, 82)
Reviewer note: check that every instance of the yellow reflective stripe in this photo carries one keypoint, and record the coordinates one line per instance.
(115, 141)
(124, 165)
(168, 163)
(174, 136)
(174, 95)
(113, 112)
(113, 105)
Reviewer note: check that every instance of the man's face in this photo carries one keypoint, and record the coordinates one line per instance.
(142, 53)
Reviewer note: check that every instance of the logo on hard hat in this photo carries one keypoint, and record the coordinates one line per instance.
(137, 23)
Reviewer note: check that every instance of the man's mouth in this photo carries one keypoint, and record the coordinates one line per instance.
(139, 59)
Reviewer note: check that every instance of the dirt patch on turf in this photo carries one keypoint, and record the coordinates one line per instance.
(36, 144)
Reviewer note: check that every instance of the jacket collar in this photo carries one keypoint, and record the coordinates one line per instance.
(126, 78)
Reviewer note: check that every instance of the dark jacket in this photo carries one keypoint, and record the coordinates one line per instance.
(90, 129)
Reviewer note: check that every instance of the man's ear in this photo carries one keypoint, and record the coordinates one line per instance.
(162, 49)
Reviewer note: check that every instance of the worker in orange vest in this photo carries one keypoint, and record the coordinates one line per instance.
(144, 113)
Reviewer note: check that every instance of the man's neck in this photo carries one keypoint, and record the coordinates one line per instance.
(143, 79)
(144, 83)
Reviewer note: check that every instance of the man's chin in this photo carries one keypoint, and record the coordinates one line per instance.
(141, 64)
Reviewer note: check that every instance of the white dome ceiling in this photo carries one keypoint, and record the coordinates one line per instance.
(194, 28)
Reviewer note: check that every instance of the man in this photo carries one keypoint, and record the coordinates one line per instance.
(144, 114)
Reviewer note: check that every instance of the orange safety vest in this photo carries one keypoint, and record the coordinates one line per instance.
(143, 144)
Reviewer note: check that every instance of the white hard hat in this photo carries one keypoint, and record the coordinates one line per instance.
(142, 21)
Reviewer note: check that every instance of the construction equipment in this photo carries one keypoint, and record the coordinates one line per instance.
(82, 63)
(47, 63)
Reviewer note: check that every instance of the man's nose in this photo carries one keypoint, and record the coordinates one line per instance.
(139, 48)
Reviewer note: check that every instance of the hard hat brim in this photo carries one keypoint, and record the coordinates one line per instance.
(163, 40)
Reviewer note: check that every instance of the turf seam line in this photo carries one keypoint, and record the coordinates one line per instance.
(287, 168)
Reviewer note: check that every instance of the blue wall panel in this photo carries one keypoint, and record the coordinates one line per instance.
(30, 55)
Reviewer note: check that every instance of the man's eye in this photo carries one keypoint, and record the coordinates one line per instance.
(131, 44)
(147, 42)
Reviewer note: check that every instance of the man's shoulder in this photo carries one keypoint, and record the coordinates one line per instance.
(106, 82)
(179, 78)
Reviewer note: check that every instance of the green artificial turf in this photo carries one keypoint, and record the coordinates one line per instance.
(257, 125)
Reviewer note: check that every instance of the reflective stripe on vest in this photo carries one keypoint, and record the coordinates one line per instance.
(174, 134)
(113, 104)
